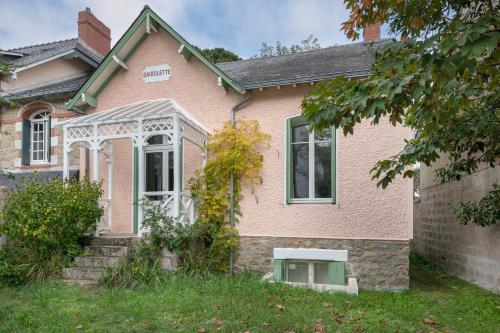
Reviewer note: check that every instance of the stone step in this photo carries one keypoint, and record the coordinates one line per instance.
(114, 241)
(168, 263)
(98, 262)
(76, 282)
(82, 273)
(109, 251)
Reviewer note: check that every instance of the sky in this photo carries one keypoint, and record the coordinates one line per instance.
(237, 25)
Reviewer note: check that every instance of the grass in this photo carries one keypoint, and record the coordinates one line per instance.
(436, 302)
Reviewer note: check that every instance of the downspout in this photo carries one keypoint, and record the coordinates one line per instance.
(236, 107)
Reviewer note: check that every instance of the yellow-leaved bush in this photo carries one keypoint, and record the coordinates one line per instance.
(233, 150)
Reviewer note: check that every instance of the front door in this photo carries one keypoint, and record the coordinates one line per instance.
(159, 169)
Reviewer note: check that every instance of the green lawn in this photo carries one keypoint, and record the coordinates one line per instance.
(435, 303)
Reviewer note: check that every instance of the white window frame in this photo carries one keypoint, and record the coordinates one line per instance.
(311, 148)
(166, 149)
(45, 137)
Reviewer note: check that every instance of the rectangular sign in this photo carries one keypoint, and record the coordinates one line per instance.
(157, 73)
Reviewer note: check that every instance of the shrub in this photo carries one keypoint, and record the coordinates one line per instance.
(144, 270)
(234, 150)
(43, 220)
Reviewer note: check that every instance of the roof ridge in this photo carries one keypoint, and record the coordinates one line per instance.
(42, 44)
(301, 53)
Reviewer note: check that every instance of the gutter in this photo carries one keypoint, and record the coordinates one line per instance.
(234, 108)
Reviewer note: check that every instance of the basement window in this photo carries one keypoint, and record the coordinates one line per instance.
(309, 266)
(309, 271)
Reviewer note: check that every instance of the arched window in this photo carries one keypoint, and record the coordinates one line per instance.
(310, 167)
(36, 138)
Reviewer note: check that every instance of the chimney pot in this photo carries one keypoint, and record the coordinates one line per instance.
(93, 33)
(372, 32)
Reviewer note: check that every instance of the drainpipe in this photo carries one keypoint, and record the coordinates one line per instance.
(235, 108)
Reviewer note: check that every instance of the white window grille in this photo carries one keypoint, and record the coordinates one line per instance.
(40, 132)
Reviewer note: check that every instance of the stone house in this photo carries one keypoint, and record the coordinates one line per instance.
(42, 78)
(149, 107)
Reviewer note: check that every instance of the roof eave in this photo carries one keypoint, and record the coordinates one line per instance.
(308, 79)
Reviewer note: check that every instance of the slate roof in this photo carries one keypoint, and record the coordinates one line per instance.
(36, 53)
(7, 182)
(70, 85)
(350, 60)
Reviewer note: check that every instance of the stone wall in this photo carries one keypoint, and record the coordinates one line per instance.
(11, 135)
(471, 252)
(377, 264)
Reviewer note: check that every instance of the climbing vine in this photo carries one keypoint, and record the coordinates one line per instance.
(232, 150)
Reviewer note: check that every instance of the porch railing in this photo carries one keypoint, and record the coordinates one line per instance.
(165, 199)
(187, 209)
(104, 224)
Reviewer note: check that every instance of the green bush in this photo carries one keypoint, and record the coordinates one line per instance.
(144, 269)
(43, 220)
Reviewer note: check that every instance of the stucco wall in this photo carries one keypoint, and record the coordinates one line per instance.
(471, 252)
(51, 71)
(362, 211)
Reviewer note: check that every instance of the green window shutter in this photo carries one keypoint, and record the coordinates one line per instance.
(25, 160)
(48, 138)
(334, 164)
(87, 163)
(336, 273)
(135, 198)
(288, 168)
(278, 270)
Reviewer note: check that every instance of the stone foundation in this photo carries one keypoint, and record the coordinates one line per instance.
(377, 264)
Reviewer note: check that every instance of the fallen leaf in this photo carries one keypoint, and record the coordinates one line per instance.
(201, 330)
(265, 324)
(361, 312)
(146, 322)
(218, 323)
(280, 307)
(349, 304)
(428, 321)
(337, 317)
(319, 327)
(79, 327)
(383, 322)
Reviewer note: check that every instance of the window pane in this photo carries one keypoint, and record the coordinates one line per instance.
(321, 272)
(170, 170)
(154, 172)
(300, 170)
(322, 136)
(300, 133)
(322, 170)
(156, 140)
(297, 271)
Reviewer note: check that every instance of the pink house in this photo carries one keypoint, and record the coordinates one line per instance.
(149, 107)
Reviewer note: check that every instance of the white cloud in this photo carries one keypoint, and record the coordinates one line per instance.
(235, 24)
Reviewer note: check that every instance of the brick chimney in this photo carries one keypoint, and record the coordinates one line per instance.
(372, 33)
(93, 33)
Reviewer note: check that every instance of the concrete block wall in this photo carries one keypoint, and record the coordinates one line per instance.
(470, 252)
